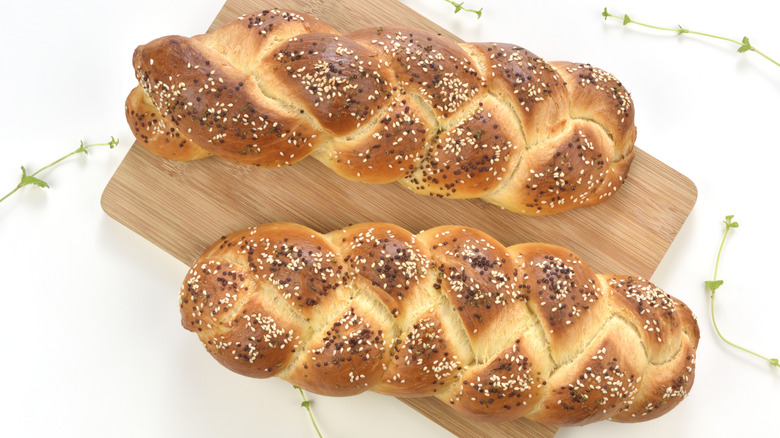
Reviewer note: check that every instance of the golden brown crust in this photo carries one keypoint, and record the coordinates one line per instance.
(470, 120)
(664, 385)
(387, 259)
(425, 360)
(242, 331)
(478, 277)
(599, 96)
(649, 308)
(574, 169)
(496, 332)
(157, 134)
(345, 357)
(218, 106)
(473, 157)
(508, 386)
(527, 83)
(427, 65)
(389, 150)
(565, 295)
(600, 382)
(260, 33)
(333, 79)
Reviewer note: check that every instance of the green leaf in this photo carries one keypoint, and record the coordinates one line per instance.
(82, 148)
(459, 7)
(305, 404)
(774, 362)
(713, 285)
(745, 45)
(31, 180)
(729, 223)
(626, 20)
(605, 14)
(681, 30)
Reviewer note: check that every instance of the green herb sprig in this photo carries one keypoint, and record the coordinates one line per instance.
(459, 7)
(306, 403)
(32, 179)
(714, 284)
(744, 44)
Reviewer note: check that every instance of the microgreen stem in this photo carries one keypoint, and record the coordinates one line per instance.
(31, 178)
(459, 7)
(715, 284)
(10, 193)
(744, 45)
(765, 56)
(305, 403)
(729, 226)
(717, 330)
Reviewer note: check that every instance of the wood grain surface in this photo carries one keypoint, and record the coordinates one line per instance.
(183, 207)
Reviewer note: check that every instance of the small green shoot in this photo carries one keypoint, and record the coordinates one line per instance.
(459, 7)
(33, 180)
(306, 403)
(744, 44)
(714, 284)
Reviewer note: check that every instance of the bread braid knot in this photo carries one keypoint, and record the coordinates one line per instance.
(469, 120)
(496, 332)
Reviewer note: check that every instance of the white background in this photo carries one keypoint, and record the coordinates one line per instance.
(92, 345)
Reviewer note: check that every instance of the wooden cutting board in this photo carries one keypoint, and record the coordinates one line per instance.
(184, 207)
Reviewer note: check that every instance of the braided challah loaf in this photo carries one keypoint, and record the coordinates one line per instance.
(497, 333)
(388, 104)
